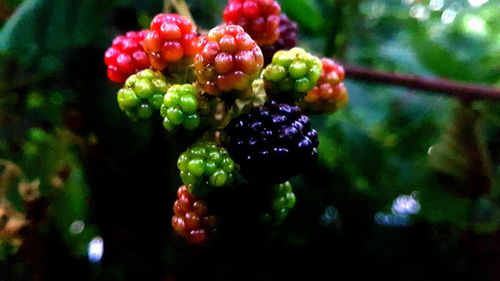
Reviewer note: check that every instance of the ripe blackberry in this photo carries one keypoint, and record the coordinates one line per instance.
(227, 60)
(259, 18)
(180, 107)
(170, 39)
(329, 94)
(142, 94)
(272, 143)
(205, 166)
(291, 74)
(289, 31)
(191, 219)
(126, 56)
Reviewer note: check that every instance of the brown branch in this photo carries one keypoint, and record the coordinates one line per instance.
(466, 92)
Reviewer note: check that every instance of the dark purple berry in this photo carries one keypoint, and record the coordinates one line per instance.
(272, 143)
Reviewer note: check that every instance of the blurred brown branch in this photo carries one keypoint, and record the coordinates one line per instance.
(463, 91)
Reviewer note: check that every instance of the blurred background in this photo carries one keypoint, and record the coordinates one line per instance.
(407, 186)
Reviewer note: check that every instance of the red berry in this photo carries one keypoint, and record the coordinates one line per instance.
(227, 60)
(170, 39)
(190, 218)
(126, 56)
(260, 18)
(329, 94)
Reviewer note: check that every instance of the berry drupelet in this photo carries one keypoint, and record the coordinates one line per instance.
(291, 74)
(289, 31)
(228, 60)
(142, 94)
(205, 166)
(170, 39)
(329, 94)
(191, 219)
(126, 56)
(180, 107)
(272, 143)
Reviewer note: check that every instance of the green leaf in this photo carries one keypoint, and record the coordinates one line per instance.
(306, 13)
(52, 26)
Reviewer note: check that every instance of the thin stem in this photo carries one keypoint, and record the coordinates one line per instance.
(463, 91)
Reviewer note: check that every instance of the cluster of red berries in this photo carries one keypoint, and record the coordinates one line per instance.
(329, 94)
(126, 56)
(200, 84)
(191, 219)
(229, 60)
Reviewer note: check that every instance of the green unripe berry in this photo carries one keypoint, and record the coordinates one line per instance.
(298, 69)
(147, 74)
(275, 73)
(210, 167)
(191, 122)
(283, 201)
(303, 85)
(189, 104)
(170, 100)
(218, 178)
(144, 111)
(127, 98)
(227, 165)
(142, 94)
(156, 101)
(181, 106)
(175, 116)
(205, 166)
(291, 75)
(144, 89)
(182, 162)
(196, 167)
(188, 178)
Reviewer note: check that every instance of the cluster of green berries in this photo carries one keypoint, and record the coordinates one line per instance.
(205, 166)
(291, 74)
(142, 94)
(180, 107)
(283, 201)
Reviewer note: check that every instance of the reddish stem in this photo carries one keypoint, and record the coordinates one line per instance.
(466, 92)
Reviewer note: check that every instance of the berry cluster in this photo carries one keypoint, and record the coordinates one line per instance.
(170, 39)
(289, 31)
(329, 94)
(193, 80)
(126, 56)
(180, 106)
(291, 74)
(259, 18)
(191, 219)
(283, 201)
(142, 94)
(272, 143)
(205, 166)
(228, 60)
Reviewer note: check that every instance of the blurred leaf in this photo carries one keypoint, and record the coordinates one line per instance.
(306, 13)
(438, 59)
(460, 157)
(51, 26)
